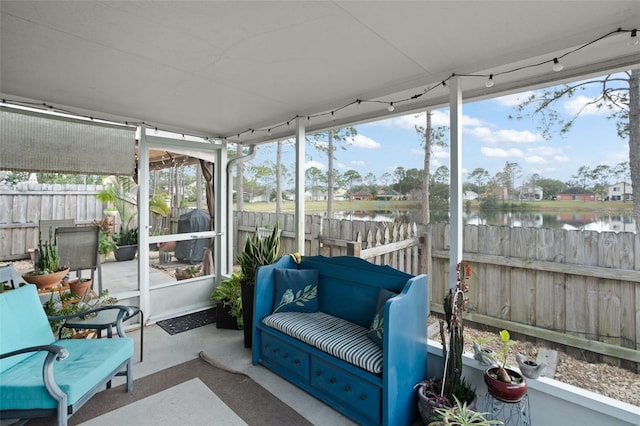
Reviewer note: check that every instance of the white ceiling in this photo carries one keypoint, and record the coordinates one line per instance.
(213, 68)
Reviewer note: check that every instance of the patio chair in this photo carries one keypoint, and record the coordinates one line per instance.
(9, 275)
(78, 248)
(46, 226)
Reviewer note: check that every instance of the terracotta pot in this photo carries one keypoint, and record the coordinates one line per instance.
(45, 281)
(506, 392)
(79, 288)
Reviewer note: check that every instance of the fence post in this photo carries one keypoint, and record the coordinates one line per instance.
(354, 248)
(425, 262)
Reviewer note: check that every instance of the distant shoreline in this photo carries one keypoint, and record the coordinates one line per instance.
(600, 207)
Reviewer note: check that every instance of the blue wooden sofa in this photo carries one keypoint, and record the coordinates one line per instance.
(328, 346)
(40, 376)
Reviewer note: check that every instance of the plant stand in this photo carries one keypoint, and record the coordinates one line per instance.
(511, 414)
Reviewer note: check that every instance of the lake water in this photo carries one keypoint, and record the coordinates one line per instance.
(589, 222)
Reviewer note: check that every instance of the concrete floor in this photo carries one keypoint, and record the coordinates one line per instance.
(162, 350)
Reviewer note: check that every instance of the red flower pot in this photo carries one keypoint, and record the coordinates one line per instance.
(507, 392)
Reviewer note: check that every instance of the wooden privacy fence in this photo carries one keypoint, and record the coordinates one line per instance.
(385, 243)
(575, 288)
(23, 205)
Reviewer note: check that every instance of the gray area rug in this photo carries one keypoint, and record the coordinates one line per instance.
(249, 400)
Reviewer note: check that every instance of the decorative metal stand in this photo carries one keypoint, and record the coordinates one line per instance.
(512, 414)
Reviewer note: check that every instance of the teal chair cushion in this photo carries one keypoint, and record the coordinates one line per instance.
(89, 361)
(23, 323)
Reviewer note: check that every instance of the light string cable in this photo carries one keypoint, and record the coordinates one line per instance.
(332, 113)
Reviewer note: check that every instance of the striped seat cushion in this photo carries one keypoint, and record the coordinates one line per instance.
(340, 338)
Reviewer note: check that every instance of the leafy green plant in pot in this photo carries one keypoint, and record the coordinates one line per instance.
(461, 415)
(257, 252)
(126, 244)
(229, 307)
(442, 392)
(118, 192)
(502, 382)
(48, 272)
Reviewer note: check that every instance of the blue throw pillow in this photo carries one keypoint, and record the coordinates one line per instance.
(296, 290)
(376, 329)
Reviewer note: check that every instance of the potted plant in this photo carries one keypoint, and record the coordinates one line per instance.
(187, 272)
(258, 251)
(229, 302)
(116, 193)
(502, 382)
(70, 304)
(126, 244)
(80, 286)
(48, 272)
(461, 415)
(159, 204)
(442, 392)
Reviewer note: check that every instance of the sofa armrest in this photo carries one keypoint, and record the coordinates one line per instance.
(263, 297)
(405, 347)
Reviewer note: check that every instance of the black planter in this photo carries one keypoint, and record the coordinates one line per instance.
(125, 252)
(224, 319)
(248, 290)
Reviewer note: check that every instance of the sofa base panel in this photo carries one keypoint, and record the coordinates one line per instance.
(346, 388)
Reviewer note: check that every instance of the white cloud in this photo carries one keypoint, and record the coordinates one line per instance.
(535, 159)
(545, 150)
(439, 118)
(312, 163)
(579, 105)
(561, 159)
(488, 135)
(501, 153)
(513, 100)
(358, 163)
(362, 141)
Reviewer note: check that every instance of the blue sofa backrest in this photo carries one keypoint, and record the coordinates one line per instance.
(348, 286)
(23, 323)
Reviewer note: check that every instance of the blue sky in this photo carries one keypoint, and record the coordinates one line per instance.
(489, 140)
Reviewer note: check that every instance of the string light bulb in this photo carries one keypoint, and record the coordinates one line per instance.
(333, 116)
(390, 108)
(557, 66)
(633, 39)
(489, 82)
(268, 132)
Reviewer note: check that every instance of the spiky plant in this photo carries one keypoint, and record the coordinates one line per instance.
(48, 256)
(259, 252)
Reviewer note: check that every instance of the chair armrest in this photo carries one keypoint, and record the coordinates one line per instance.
(55, 352)
(59, 352)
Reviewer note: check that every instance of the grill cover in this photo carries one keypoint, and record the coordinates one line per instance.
(192, 251)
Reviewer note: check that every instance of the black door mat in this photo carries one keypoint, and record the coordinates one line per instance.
(188, 322)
